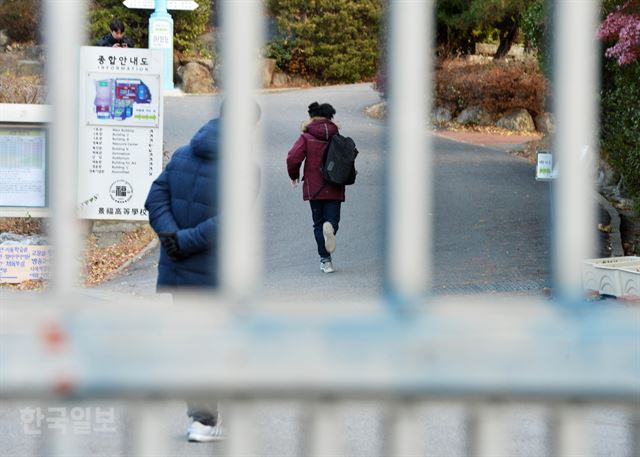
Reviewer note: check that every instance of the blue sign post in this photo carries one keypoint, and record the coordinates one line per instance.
(161, 29)
(161, 37)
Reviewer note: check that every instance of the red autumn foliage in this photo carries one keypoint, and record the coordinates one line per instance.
(495, 86)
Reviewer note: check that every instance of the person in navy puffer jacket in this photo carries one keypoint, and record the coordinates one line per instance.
(183, 211)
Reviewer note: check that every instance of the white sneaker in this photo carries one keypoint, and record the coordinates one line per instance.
(329, 237)
(201, 433)
(327, 266)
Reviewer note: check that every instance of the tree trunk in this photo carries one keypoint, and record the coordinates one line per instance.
(507, 36)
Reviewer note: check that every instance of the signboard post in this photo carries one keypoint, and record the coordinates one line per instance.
(161, 29)
(120, 143)
(161, 37)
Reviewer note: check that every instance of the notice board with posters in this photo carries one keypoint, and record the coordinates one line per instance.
(121, 118)
(24, 159)
(23, 156)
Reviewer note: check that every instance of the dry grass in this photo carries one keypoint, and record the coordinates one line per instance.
(22, 225)
(21, 89)
(531, 150)
(101, 263)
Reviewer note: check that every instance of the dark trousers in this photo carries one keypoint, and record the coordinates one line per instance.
(203, 412)
(324, 211)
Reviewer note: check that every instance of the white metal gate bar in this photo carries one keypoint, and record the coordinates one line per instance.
(241, 430)
(520, 351)
(326, 437)
(409, 178)
(635, 431)
(405, 427)
(570, 433)
(240, 241)
(576, 96)
(489, 436)
(62, 78)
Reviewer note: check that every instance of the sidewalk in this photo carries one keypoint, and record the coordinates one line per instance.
(489, 140)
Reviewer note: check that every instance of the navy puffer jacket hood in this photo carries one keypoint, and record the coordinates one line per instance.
(204, 143)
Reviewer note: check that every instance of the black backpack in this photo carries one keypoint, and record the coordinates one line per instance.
(338, 167)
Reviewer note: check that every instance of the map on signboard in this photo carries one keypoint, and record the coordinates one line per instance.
(122, 101)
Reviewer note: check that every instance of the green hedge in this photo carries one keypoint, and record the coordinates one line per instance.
(621, 122)
(331, 40)
(187, 25)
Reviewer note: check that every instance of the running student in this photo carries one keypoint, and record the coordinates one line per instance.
(325, 199)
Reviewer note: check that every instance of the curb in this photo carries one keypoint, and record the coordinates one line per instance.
(508, 148)
(152, 245)
(615, 238)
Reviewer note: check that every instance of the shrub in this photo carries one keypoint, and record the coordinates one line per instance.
(187, 25)
(621, 122)
(21, 19)
(496, 86)
(334, 40)
(623, 27)
(279, 49)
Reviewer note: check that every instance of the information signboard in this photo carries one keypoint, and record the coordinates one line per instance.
(121, 120)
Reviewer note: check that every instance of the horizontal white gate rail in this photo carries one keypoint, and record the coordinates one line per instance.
(404, 352)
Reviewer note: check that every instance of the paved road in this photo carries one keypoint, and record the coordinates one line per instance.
(491, 218)
(491, 235)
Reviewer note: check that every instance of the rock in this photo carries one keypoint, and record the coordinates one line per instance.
(280, 79)
(608, 177)
(517, 119)
(29, 68)
(441, 115)
(474, 115)
(545, 123)
(12, 239)
(377, 111)
(196, 78)
(35, 53)
(4, 38)
(266, 74)
(478, 59)
(299, 81)
(488, 49)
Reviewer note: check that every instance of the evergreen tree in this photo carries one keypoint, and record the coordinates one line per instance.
(333, 40)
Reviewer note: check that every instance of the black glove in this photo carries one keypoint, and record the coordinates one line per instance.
(170, 243)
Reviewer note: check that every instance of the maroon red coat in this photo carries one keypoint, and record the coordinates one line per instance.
(310, 148)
